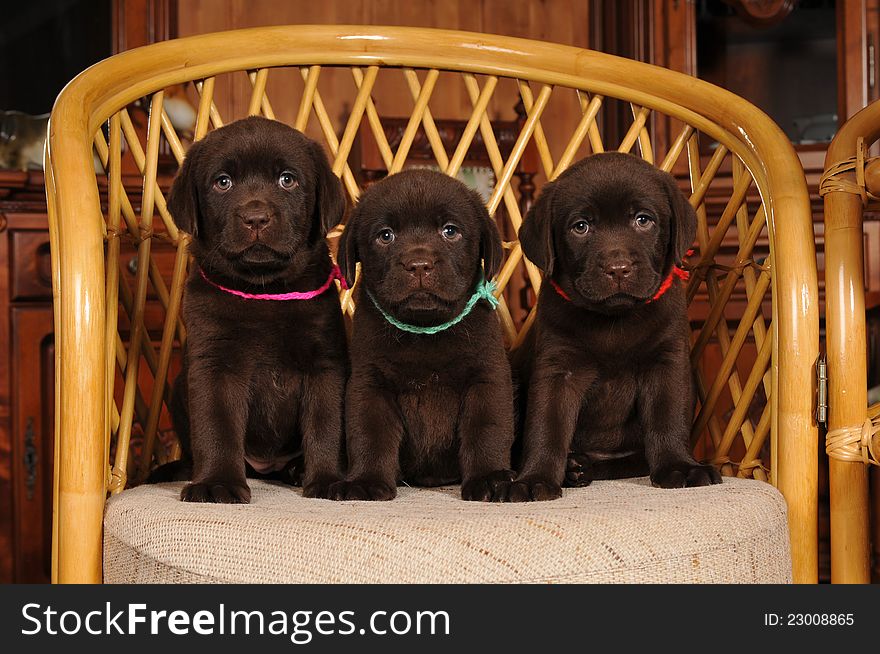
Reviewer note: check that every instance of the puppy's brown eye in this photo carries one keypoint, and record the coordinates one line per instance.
(644, 220)
(451, 232)
(580, 227)
(385, 236)
(223, 183)
(286, 180)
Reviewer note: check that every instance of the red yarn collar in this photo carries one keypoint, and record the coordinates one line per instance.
(676, 272)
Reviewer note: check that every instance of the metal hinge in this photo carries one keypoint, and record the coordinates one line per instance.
(822, 390)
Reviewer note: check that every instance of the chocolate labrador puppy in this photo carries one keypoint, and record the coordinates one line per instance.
(607, 364)
(265, 363)
(429, 401)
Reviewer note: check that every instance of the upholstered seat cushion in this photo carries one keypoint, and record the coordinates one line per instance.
(615, 531)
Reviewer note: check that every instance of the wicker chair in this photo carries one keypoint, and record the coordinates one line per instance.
(851, 187)
(756, 413)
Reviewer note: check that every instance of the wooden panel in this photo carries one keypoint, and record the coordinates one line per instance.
(161, 253)
(561, 21)
(852, 92)
(31, 274)
(6, 513)
(26, 358)
(872, 255)
(140, 22)
(32, 372)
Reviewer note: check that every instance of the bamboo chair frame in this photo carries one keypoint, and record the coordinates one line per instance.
(89, 293)
(849, 186)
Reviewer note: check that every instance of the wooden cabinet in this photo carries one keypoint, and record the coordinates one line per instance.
(27, 380)
(26, 319)
(33, 367)
(27, 366)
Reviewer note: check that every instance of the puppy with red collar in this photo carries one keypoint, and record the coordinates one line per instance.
(604, 374)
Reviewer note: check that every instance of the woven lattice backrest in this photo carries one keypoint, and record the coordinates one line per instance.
(336, 81)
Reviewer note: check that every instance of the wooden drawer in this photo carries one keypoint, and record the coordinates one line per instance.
(162, 253)
(31, 270)
(31, 274)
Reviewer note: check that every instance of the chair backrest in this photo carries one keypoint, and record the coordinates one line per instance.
(755, 337)
(850, 187)
(476, 171)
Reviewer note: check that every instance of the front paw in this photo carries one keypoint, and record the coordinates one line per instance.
(685, 475)
(217, 492)
(319, 487)
(493, 487)
(360, 489)
(534, 489)
(578, 470)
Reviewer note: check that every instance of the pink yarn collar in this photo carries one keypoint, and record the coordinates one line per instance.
(335, 274)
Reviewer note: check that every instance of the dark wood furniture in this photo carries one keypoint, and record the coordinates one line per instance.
(26, 378)
(27, 332)
(27, 367)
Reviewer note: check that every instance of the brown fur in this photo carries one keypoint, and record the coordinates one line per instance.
(261, 379)
(425, 409)
(605, 377)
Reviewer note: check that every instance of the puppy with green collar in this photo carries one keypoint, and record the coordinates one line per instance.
(429, 401)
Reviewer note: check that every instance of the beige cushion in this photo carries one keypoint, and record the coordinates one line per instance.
(614, 531)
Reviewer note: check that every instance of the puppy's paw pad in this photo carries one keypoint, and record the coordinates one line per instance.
(681, 475)
(534, 490)
(669, 478)
(361, 490)
(318, 488)
(216, 492)
(493, 487)
(705, 475)
(578, 471)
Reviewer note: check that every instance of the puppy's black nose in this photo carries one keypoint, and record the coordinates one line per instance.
(618, 269)
(256, 220)
(419, 266)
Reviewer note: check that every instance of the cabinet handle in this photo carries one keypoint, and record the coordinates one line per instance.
(31, 459)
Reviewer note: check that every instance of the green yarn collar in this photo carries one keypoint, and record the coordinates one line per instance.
(485, 290)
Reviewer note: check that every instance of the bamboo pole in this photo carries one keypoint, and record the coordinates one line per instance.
(847, 391)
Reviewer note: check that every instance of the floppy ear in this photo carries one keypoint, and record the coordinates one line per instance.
(683, 226)
(183, 198)
(491, 251)
(346, 252)
(329, 196)
(536, 231)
